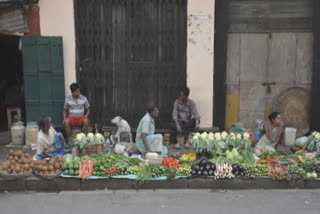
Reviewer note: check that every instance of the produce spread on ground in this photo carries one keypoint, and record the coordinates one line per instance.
(217, 156)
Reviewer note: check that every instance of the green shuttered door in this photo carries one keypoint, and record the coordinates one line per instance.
(44, 78)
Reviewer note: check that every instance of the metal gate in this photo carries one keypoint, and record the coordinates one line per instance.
(131, 54)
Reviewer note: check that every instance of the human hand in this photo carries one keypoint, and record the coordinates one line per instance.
(197, 126)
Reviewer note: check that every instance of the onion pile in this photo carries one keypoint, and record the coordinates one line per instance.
(48, 167)
(16, 162)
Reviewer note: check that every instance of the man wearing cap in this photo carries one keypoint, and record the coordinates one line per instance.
(76, 111)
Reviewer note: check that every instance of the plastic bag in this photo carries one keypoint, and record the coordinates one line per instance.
(301, 141)
(119, 149)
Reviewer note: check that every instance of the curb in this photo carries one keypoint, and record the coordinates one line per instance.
(62, 184)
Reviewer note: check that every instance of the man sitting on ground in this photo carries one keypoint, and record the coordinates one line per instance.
(76, 111)
(146, 140)
(185, 117)
(50, 143)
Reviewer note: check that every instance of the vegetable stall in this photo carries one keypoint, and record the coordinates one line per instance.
(216, 156)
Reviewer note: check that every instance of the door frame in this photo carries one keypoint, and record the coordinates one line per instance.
(220, 62)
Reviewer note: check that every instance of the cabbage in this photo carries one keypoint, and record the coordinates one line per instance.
(235, 152)
(229, 155)
(68, 160)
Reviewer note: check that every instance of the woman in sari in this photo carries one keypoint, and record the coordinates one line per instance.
(50, 143)
(273, 134)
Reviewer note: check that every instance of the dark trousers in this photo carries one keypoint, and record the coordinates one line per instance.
(186, 129)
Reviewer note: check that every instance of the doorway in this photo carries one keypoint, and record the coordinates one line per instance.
(11, 82)
(262, 65)
(130, 55)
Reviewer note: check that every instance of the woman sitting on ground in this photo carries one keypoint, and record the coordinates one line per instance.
(272, 134)
(50, 143)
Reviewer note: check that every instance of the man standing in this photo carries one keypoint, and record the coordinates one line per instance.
(185, 117)
(146, 140)
(76, 111)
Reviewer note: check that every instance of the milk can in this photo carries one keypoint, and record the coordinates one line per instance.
(17, 133)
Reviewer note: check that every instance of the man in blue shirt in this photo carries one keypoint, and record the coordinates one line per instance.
(146, 140)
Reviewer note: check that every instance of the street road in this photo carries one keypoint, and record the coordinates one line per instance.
(163, 201)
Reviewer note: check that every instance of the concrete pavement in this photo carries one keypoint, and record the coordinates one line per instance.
(163, 201)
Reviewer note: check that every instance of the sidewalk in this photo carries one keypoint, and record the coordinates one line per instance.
(5, 140)
(60, 184)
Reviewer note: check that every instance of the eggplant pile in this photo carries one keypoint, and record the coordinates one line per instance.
(237, 169)
(203, 167)
(316, 168)
(223, 170)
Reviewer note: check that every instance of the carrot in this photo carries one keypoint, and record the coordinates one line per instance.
(80, 169)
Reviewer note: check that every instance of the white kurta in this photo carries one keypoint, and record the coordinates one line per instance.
(45, 142)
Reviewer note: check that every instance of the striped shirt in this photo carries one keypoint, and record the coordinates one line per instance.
(76, 109)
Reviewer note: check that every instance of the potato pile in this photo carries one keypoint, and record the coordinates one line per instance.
(48, 167)
(16, 162)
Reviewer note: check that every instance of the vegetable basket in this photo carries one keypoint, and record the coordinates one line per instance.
(46, 177)
(15, 176)
(97, 148)
(91, 149)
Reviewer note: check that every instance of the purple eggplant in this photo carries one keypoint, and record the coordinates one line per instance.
(213, 167)
(205, 172)
(204, 162)
(208, 167)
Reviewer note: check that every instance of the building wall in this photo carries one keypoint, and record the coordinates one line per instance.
(33, 20)
(57, 19)
(200, 57)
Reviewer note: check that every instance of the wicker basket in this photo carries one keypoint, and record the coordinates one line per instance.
(15, 176)
(97, 149)
(91, 149)
(47, 177)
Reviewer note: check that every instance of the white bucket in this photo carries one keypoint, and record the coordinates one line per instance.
(290, 136)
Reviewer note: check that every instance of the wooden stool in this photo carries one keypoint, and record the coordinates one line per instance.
(10, 110)
(74, 131)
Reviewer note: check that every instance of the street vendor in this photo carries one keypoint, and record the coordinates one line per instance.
(185, 117)
(272, 131)
(50, 143)
(146, 140)
(76, 111)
